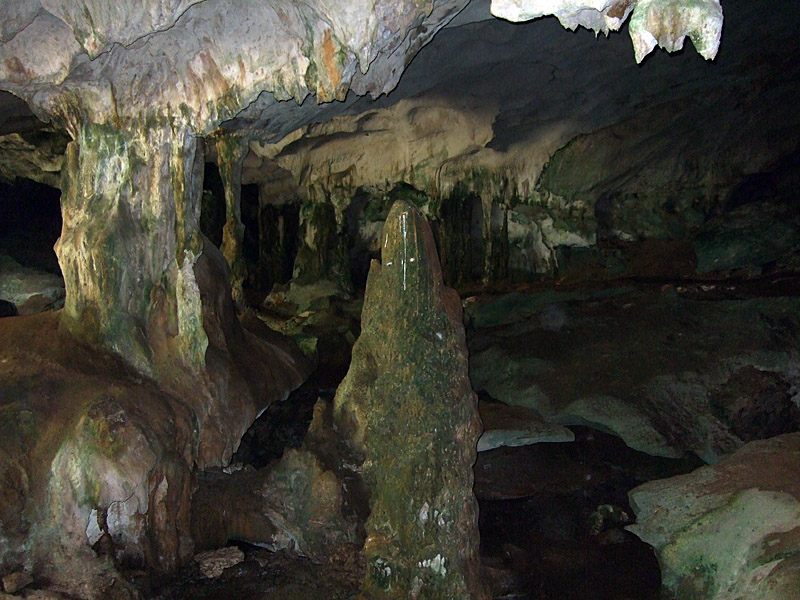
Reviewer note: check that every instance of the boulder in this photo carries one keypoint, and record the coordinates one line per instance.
(731, 530)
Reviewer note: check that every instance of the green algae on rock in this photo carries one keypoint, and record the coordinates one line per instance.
(408, 412)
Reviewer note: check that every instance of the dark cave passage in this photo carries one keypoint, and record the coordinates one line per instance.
(30, 223)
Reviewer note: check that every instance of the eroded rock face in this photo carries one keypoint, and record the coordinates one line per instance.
(731, 530)
(130, 242)
(407, 410)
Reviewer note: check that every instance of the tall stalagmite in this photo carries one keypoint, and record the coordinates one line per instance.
(408, 412)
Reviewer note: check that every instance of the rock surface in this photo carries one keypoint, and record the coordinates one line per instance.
(652, 22)
(293, 504)
(29, 290)
(207, 61)
(505, 425)
(731, 530)
(14, 582)
(407, 410)
(669, 371)
(97, 461)
(523, 173)
(214, 562)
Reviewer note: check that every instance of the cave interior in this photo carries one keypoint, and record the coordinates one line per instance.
(400, 300)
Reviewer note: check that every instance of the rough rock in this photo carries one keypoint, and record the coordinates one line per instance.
(652, 22)
(207, 60)
(748, 239)
(669, 371)
(214, 562)
(29, 290)
(293, 504)
(505, 425)
(37, 155)
(407, 410)
(731, 530)
(14, 582)
(95, 454)
(539, 186)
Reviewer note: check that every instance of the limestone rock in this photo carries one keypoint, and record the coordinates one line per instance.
(408, 412)
(29, 290)
(14, 582)
(731, 530)
(92, 453)
(207, 60)
(293, 504)
(37, 155)
(214, 562)
(653, 21)
(516, 426)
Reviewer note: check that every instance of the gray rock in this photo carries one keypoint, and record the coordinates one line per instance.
(667, 371)
(516, 426)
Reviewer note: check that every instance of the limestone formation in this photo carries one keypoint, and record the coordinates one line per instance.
(98, 462)
(230, 154)
(653, 22)
(731, 530)
(408, 413)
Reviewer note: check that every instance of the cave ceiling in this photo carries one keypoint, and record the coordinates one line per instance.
(281, 71)
(205, 62)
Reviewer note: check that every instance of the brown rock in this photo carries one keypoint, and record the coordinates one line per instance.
(16, 581)
(214, 562)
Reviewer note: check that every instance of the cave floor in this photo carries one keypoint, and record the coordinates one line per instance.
(269, 575)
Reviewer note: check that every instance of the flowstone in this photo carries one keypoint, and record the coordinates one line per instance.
(408, 413)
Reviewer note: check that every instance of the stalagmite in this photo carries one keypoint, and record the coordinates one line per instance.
(407, 409)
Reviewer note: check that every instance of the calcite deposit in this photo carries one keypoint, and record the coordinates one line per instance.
(407, 411)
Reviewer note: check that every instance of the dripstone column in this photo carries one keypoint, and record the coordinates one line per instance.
(129, 244)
